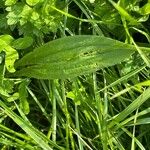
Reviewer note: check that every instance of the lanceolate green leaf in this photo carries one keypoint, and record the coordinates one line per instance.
(72, 56)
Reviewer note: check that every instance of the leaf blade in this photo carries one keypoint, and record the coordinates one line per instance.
(73, 56)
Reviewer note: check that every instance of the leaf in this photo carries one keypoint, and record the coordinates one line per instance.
(76, 98)
(13, 97)
(32, 2)
(4, 41)
(35, 15)
(91, 1)
(72, 56)
(10, 2)
(24, 105)
(142, 121)
(145, 10)
(11, 56)
(22, 43)
(7, 39)
(6, 87)
(12, 21)
(17, 13)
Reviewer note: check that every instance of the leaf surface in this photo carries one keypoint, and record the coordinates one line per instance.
(72, 56)
(11, 53)
(22, 43)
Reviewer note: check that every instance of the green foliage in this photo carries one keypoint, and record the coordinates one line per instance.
(130, 10)
(112, 18)
(74, 75)
(37, 136)
(34, 14)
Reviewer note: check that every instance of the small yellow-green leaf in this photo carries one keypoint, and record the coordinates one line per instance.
(11, 21)
(10, 2)
(145, 10)
(7, 38)
(35, 15)
(32, 2)
(71, 95)
(11, 57)
(4, 41)
(13, 97)
(141, 84)
(74, 97)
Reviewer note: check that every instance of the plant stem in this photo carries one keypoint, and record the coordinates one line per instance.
(54, 118)
(66, 113)
(78, 126)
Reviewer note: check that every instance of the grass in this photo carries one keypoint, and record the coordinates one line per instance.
(107, 109)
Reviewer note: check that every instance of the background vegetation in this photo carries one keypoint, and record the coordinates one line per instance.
(105, 108)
